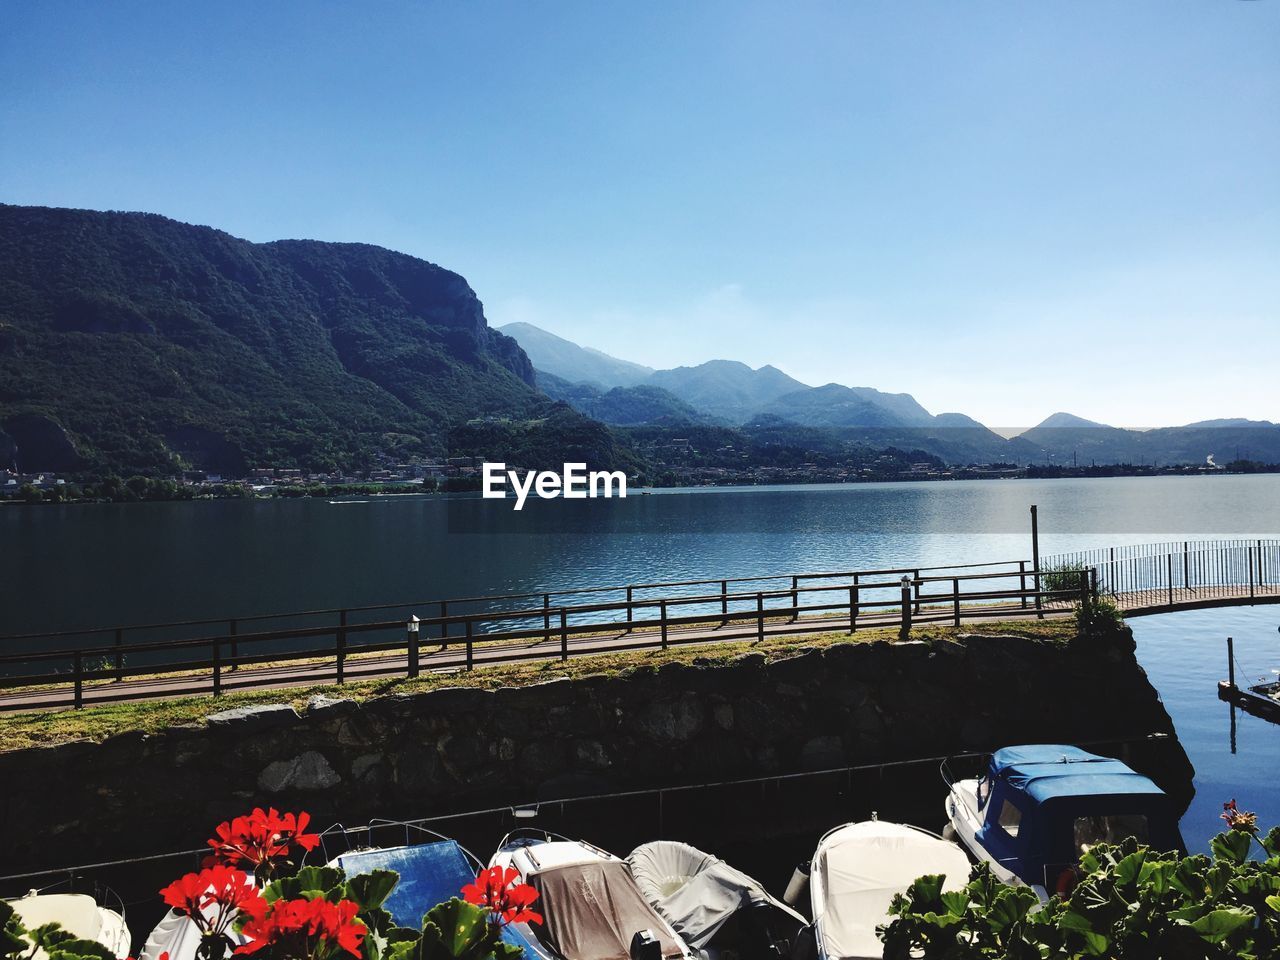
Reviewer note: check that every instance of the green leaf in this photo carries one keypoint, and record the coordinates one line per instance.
(77, 949)
(370, 890)
(1218, 925)
(1232, 846)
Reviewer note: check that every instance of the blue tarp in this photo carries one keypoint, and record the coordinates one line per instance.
(430, 873)
(1050, 771)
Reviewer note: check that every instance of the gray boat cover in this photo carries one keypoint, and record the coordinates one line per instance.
(592, 910)
(695, 892)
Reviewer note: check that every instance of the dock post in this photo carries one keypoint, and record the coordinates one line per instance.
(340, 654)
(217, 667)
(411, 641)
(1035, 558)
(905, 631)
(1231, 663)
(662, 615)
(564, 634)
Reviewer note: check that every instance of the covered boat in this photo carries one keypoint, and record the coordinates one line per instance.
(1038, 807)
(78, 914)
(430, 873)
(591, 906)
(713, 907)
(859, 867)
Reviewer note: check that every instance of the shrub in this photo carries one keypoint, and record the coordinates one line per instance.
(1130, 902)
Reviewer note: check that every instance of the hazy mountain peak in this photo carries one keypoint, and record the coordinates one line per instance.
(1060, 420)
(572, 362)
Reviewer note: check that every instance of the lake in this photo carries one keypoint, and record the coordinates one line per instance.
(89, 565)
(79, 566)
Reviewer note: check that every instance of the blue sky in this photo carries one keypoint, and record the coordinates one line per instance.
(1004, 209)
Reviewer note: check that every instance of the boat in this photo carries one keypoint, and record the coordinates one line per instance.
(1261, 699)
(431, 872)
(1038, 807)
(715, 909)
(857, 870)
(591, 906)
(78, 914)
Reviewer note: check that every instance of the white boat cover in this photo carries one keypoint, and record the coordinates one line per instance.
(860, 867)
(77, 913)
(693, 891)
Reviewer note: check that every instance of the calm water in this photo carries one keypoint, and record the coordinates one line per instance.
(64, 567)
(1185, 656)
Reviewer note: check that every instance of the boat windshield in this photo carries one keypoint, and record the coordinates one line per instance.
(1113, 828)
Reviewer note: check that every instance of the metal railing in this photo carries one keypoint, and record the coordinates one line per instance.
(208, 655)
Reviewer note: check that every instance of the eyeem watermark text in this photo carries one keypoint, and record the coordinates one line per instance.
(575, 483)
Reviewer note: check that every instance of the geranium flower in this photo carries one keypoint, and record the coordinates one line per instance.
(214, 897)
(308, 929)
(1242, 820)
(257, 839)
(497, 890)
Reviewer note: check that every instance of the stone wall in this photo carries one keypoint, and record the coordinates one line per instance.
(464, 748)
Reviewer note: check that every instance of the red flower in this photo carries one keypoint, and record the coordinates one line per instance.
(214, 897)
(314, 929)
(257, 839)
(497, 890)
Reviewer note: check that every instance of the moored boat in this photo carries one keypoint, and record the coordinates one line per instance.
(856, 871)
(591, 906)
(1038, 807)
(78, 914)
(716, 909)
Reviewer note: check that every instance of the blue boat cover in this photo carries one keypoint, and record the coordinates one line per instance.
(1050, 771)
(430, 873)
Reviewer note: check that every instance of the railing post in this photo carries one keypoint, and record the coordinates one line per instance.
(564, 634)
(1035, 558)
(340, 654)
(759, 617)
(444, 626)
(955, 598)
(411, 642)
(1186, 566)
(1249, 552)
(1022, 581)
(905, 630)
(724, 603)
(217, 666)
(78, 672)
(662, 615)
(546, 616)
(915, 578)
(795, 599)
(235, 644)
(1170, 576)
(1084, 589)
(853, 605)
(631, 613)
(470, 640)
(119, 654)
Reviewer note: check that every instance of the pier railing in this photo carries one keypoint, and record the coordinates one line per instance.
(335, 646)
(1182, 573)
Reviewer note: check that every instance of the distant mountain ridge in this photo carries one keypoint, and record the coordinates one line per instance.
(565, 359)
(732, 392)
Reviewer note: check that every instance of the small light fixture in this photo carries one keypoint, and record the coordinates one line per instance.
(413, 624)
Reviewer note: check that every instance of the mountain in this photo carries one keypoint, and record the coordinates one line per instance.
(726, 388)
(1064, 438)
(834, 405)
(568, 361)
(132, 343)
(621, 406)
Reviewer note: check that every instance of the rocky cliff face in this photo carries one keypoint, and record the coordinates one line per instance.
(464, 748)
